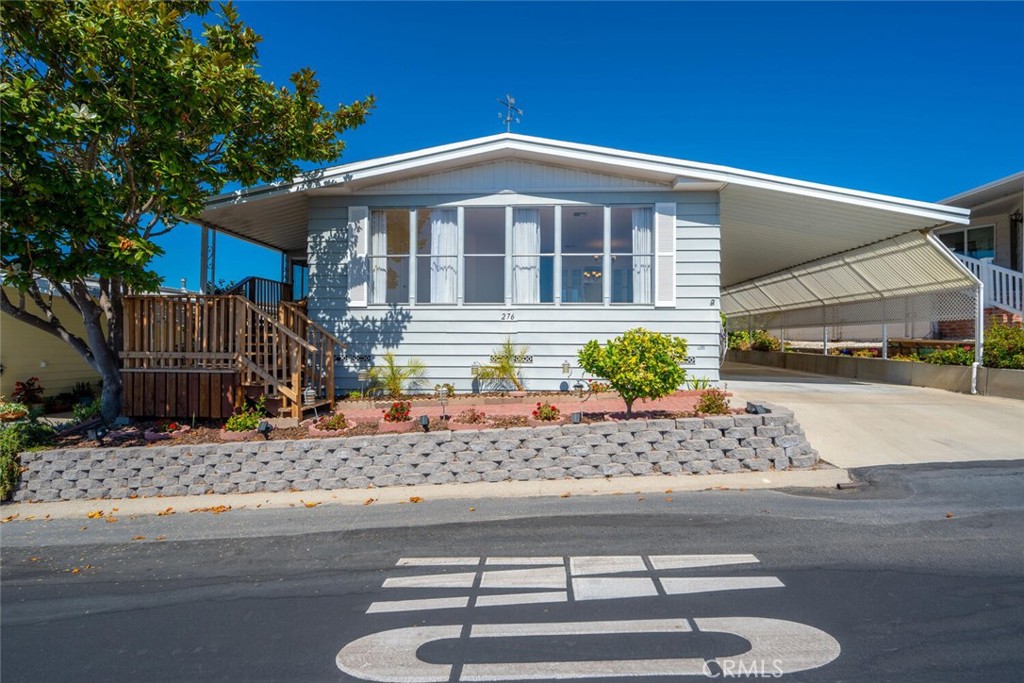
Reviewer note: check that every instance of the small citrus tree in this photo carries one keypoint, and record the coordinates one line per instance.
(638, 364)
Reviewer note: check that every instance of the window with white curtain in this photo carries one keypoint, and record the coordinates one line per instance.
(484, 260)
(437, 253)
(632, 255)
(389, 256)
(478, 249)
(533, 255)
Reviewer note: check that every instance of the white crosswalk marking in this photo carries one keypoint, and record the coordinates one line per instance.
(437, 561)
(608, 564)
(663, 562)
(417, 605)
(591, 588)
(524, 560)
(709, 584)
(548, 577)
(459, 580)
(502, 599)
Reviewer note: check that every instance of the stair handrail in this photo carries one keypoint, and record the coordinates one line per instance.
(295, 309)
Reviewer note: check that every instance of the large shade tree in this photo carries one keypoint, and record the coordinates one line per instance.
(117, 120)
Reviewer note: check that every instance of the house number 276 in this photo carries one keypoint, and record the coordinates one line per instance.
(508, 316)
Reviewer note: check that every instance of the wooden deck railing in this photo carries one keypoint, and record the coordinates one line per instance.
(265, 294)
(190, 333)
(318, 365)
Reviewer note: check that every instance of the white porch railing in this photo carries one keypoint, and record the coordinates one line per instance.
(1004, 288)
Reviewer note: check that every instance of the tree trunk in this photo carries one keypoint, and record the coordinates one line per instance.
(629, 407)
(104, 354)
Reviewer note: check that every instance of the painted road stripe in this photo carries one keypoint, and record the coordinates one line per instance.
(519, 599)
(580, 628)
(680, 586)
(459, 580)
(548, 577)
(413, 605)
(610, 588)
(391, 655)
(606, 564)
(524, 560)
(437, 561)
(663, 562)
(777, 647)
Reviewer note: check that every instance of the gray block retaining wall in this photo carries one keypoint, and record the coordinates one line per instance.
(608, 449)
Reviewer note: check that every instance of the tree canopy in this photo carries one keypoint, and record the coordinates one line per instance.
(117, 121)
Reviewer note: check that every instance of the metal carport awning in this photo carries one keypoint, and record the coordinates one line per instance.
(908, 265)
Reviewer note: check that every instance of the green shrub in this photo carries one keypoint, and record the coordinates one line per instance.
(546, 412)
(17, 437)
(713, 402)
(639, 364)
(392, 378)
(332, 423)
(758, 340)
(84, 412)
(248, 418)
(957, 355)
(400, 411)
(1004, 347)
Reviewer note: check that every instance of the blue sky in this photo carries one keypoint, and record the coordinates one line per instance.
(919, 100)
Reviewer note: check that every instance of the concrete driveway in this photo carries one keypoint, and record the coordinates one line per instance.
(857, 424)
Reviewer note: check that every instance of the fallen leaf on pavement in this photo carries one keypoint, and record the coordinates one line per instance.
(668, 490)
(565, 495)
(33, 559)
(415, 499)
(76, 570)
(215, 509)
(668, 499)
(164, 513)
(84, 528)
(95, 514)
(641, 498)
(138, 538)
(160, 538)
(111, 520)
(949, 515)
(368, 501)
(309, 505)
(472, 509)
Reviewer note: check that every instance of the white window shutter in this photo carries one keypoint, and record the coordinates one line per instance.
(665, 255)
(358, 268)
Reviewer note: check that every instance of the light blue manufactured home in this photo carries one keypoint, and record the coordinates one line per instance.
(441, 254)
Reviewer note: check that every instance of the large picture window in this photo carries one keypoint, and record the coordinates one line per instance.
(481, 255)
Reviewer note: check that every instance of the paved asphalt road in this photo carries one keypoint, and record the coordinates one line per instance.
(916, 576)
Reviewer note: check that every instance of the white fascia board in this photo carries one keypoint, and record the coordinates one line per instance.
(1013, 183)
(673, 169)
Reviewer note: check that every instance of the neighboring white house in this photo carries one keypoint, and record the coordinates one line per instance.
(992, 245)
(442, 253)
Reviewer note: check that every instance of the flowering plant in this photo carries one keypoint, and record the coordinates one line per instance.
(167, 427)
(398, 412)
(546, 412)
(28, 391)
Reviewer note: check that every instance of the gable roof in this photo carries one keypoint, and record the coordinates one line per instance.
(768, 222)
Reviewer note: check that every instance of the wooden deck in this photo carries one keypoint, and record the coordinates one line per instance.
(194, 355)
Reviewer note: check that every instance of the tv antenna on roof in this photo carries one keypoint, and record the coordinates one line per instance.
(512, 112)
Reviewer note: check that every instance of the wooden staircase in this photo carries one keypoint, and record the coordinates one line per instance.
(284, 356)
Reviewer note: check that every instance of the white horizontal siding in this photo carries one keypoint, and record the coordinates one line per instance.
(450, 338)
(522, 176)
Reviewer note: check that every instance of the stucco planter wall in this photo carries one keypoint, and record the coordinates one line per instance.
(608, 449)
(991, 381)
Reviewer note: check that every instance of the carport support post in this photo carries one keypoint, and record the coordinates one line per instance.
(885, 340)
(979, 325)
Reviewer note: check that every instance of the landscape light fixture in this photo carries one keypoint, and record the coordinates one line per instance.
(475, 369)
(363, 376)
(442, 398)
(576, 417)
(1016, 218)
(565, 368)
(425, 423)
(264, 428)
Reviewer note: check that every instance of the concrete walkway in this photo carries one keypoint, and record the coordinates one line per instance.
(857, 424)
